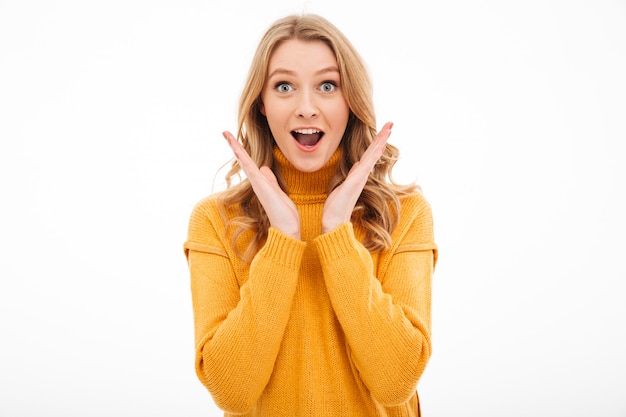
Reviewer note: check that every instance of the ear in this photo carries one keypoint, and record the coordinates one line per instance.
(262, 109)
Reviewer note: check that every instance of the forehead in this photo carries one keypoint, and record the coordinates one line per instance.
(293, 54)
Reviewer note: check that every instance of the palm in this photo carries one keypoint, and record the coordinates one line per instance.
(281, 211)
(341, 201)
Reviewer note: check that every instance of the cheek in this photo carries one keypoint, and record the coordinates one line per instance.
(276, 111)
(342, 111)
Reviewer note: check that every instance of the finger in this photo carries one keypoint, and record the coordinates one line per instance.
(360, 171)
(354, 167)
(378, 145)
(246, 163)
(385, 131)
(260, 179)
(373, 153)
(269, 175)
(229, 137)
(234, 144)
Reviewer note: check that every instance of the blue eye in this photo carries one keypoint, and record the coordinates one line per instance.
(283, 87)
(328, 86)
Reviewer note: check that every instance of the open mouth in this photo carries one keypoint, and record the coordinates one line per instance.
(307, 137)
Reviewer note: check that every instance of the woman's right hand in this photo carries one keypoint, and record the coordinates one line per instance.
(281, 211)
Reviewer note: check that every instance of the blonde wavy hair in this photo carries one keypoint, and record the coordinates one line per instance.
(377, 208)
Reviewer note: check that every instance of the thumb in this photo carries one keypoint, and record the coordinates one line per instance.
(353, 168)
(269, 175)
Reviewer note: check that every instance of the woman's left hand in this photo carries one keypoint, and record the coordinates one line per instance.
(341, 201)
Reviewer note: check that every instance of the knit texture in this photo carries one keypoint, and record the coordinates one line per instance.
(317, 326)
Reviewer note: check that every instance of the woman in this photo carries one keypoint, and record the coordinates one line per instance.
(311, 278)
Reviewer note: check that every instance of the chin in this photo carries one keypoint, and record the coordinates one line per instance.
(309, 160)
(308, 166)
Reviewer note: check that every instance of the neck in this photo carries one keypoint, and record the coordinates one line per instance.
(306, 183)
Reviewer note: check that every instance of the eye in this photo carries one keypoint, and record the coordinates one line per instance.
(328, 86)
(283, 87)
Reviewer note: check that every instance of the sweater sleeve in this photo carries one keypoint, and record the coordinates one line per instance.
(386, 318)
(238, 328)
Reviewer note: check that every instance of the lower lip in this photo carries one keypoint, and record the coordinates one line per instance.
(309, 148)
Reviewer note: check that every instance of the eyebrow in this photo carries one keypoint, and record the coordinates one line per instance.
(293, 73)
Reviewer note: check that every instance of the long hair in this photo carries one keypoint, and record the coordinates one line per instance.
(377, 208)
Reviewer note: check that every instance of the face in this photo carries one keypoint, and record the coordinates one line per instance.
(304, 104)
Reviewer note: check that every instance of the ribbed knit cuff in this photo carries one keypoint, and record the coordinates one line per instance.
(283, 249)
(336, 243)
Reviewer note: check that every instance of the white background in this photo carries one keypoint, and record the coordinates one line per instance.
(511, 115)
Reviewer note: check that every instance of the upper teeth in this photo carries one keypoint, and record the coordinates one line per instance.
(307, 131)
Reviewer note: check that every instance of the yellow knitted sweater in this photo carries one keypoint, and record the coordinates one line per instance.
(317, 326)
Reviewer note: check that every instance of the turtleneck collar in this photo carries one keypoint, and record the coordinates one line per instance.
(308, 184)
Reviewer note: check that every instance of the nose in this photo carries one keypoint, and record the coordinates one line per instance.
(306, 107)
